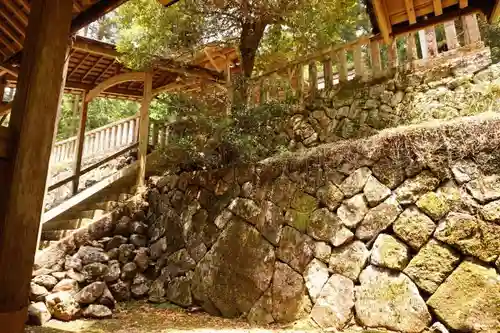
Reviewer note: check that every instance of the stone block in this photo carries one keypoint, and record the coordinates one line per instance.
(413, 227)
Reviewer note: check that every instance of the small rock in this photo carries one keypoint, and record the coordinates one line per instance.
(437, 327)
(413, 227)
(491, 212)
(137, 227)
(322, 251)
(115, 242)
(122, 227)
(128, 271)
(58, 275)
(352, 211)
(389, 252)
(73, 262)
(68, 285)
(90, 293)
(38, 314)
(349, 259)
(107, 299)
(330, 195)
(157, 291)
(46, 281)
(333, 309)
(224, 217)
(303, 202)
(139, 290)
(158, 248)
(89, 255)
(433, 205)
(413, 188)
(432, 264)
(179, 263)
(114, 271)
(120, 290)
(245, 208)
(298, 220)
(95, 271)
(315, 276)
(138, 240)
(97, 311)
(77, 276)
(465, 171)
(375, 192)
(326, 226)
(62, 306)
(142, 259)
(125, 253)
(179, 291)
(355, 182)
(485, 189)
(37, 293)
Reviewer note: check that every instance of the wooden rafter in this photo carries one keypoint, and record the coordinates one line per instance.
(13, 23)
(20, 15)
(463, 3)
(112, 81)
(77, 67)
(92, 68)
(8, 45)
(438, 7)
(383, 22)
(10, 69)
(104, 71)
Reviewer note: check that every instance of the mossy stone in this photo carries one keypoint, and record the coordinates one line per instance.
(304, 202)
(434, 205)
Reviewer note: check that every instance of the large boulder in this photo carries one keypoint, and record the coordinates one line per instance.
(62, 306)
(290, 300)
(235, 272)
(333, 309)
(326, 226)
(295, 249)
(89, 255)
(433, 263)
(413, 227)
(315, 276)
(179, 291)
(38, 314)
(390, 300)
(485, 188)
(470, 235)
(378, 219)
(469, 299)
(37, 293)
(90, 293)
(97, 311)
(349, 259)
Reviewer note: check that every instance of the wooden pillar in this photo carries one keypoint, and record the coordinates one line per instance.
(375, 57)
(450, 32)
(342, 65)
(80, 141)
(76, 109)
(359, 62)
(432, 48)
(471, 29)
(144, 128)
(423, 44)
(32, 125)
(313, 80)
(328, 73)
(411, 48)
(392, 54)
(300, 83)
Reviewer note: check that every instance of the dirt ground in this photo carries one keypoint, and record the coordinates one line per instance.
(141, 317)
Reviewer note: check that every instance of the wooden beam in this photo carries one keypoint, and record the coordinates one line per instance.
(39, 92)
(91, 69)
(212, 61)
(105, 71)
(112, 81)
(77, 67)
(438, 7)
(98, 48)
(4, 142)
(97, 10)
(171, 87)
(383, 22)
(496, 12)
(10, 69)
(144, 129)
(463, 3)
(410, 11)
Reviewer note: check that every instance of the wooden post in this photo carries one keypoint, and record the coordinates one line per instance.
(471, 29)
(430, 34)
(144, 128)
(358, 62)
(76, 108)
(313, 79)
(34, 114)
(375, 57)
(300, 83)
(328, 73)
(411, 48)
(423, 44)
(80, 137)
(342, 65)
(156, 132)
(392, 54)
(450, 32)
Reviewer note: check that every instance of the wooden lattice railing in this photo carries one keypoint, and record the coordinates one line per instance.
(364, 59)
(99, 141)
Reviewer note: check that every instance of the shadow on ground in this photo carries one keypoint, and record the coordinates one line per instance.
(141, 317)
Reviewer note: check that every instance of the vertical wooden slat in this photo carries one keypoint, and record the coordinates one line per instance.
(376, 64)
(143, 128)
(328, 73)
(313, 79)
(358, 62)
(300, 83)
(450, 32)
(432, 48)
(118, 138)
(113, 137)
(342, 65)
(23, 183)
(423, 44)
(77, 166)
(392, 54)
(411, 48)
(471, 29)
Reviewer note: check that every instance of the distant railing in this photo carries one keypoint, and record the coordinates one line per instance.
(98, 141)
(363, 59)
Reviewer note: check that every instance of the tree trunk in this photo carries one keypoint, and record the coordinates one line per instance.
(251, 35)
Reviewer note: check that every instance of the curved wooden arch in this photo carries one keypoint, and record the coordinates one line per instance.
(114, 80)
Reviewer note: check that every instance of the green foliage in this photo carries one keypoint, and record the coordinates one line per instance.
(491, 37)
(201, 138)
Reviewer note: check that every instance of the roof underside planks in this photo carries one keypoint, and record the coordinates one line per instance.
(394, 17)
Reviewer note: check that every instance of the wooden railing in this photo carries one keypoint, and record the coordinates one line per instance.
(158, 135)
(99, 141)
(363, 59)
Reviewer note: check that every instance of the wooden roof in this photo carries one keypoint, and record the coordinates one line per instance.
(394, 17)
(92, 62)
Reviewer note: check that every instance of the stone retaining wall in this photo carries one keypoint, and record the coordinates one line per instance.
(398, 231)
(440, 89)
